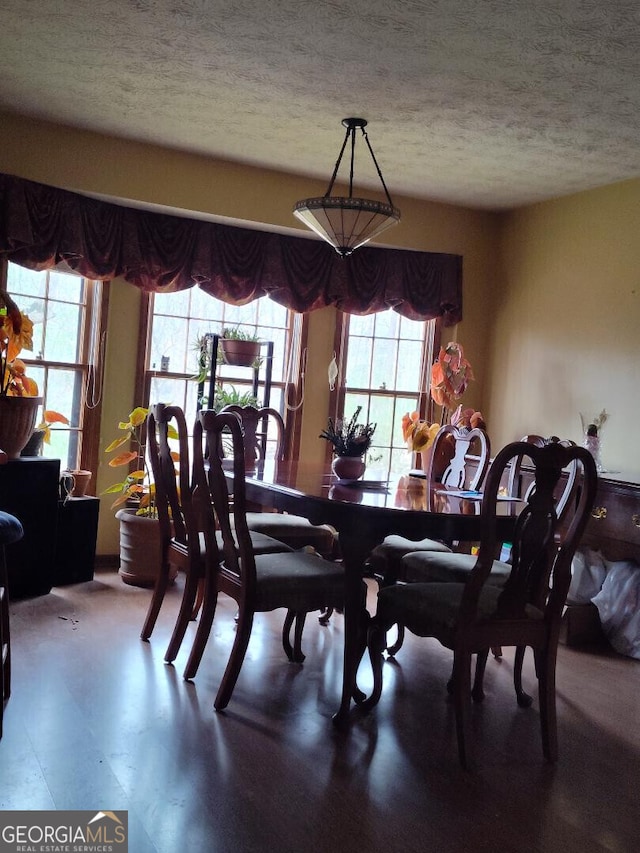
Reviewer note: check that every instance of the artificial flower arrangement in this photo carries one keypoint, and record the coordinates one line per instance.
(16, 334)
(419, 435)
(349, 438)
(468, 419)
(450, 375)
(136, 488)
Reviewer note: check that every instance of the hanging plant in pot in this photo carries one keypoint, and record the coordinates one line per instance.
(140, 539)
(350, 441)
(19, 400)
(240, 348)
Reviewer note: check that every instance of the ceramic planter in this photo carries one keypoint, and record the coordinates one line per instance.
(140, 549)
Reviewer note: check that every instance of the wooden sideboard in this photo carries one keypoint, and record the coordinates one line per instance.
(614, 526)
(614, 530)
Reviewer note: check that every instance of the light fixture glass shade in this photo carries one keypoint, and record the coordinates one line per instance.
(346, 223)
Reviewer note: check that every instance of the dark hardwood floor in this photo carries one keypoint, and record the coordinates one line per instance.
(98, 721)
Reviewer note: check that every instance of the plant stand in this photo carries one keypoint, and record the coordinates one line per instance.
(214, 342)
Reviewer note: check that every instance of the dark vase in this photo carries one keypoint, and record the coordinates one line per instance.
(35, 444)
(348, 467)
(17, 420)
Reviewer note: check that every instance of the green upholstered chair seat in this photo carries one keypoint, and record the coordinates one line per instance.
(261, 543)
(298, 581)
(430, 567)
(293, 530)
(395, 547)
(427, 608)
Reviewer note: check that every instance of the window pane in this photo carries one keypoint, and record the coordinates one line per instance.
(387, 324)
(383, 364)
(409, 365)
(385, 373)
(68, 288)
(62, 332)
(24, 281)
(358, 362)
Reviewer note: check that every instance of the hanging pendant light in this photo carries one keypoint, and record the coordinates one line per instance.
(350, 222)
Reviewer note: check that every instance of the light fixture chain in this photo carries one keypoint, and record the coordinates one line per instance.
(373, 157)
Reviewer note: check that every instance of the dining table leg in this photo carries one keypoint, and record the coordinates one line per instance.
(355, 551)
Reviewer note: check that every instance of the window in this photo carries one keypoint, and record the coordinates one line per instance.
(178, 321)
(386, 361)
(66, 313)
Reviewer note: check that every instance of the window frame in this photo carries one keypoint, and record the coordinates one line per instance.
(92, 342)
(426, 406)
(290, 389)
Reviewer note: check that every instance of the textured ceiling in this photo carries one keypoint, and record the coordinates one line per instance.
(487, 103)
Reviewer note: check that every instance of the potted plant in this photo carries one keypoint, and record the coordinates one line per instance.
(240, 348)
(19, 400)
(230, 396)
(140, 540)
(42, 433)
(350, 441)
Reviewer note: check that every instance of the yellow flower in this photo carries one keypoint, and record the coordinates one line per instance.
(16, 334)
(418, 434)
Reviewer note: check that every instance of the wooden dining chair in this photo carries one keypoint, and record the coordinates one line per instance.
(182, 540)
(261, 425)
(296, 580)
(425, 567)
(10, 531)
(469, 617)
(450, 466)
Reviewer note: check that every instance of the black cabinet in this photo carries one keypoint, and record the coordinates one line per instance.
(29, 490)
(76, 540)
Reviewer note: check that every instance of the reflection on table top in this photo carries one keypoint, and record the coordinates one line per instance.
(401, 493)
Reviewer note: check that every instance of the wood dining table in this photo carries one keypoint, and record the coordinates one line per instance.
(363, 512)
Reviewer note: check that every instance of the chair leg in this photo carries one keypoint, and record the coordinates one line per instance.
(524, 700)
(286, 631)
(155, 604)
(209, 603)
(187, 605)
(376, 642)
(477, 691)
(199, 599)
(231, 673)
(395, 647)
(546, 669)
(324, 617)
(298, 656)
(294, 653)
(461, 697)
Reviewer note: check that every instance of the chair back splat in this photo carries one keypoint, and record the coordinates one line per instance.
(264, 435)
(454, 444)
(177, 515)
(472, 616)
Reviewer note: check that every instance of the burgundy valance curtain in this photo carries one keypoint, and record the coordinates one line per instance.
(40, 226)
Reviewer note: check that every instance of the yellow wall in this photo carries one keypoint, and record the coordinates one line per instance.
(566, 335)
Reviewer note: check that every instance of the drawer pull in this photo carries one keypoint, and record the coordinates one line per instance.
(599, 512)
(636, 519)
